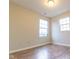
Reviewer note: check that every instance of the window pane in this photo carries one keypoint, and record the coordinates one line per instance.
(43, 24)
(43, 31)
(64, 24)
(67, 20)
(43, 28)
(64, 20)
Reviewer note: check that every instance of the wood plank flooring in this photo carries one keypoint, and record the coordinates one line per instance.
(44, 52)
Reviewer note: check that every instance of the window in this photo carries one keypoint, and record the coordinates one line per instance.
(43, 30)
(64, 24)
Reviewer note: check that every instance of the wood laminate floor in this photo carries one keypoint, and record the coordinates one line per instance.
(44, 52)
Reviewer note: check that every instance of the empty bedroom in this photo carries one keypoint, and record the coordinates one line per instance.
(39, 29)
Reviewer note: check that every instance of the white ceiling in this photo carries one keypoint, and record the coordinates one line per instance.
(41, 6)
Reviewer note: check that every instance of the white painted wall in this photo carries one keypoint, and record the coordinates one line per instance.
(59, 37)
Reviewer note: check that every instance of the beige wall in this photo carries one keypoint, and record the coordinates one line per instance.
(59, 37)
(24, 28)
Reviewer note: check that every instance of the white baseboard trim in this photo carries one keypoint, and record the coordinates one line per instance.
(14, 51)
(61, 44)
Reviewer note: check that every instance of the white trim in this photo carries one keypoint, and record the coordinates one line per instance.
(18, 50)
(61, 44)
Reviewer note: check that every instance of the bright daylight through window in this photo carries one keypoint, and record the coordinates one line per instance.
(43, 28)
(65, 24)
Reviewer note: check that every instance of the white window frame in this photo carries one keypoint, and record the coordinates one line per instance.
(43, 27)
(65, 24)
